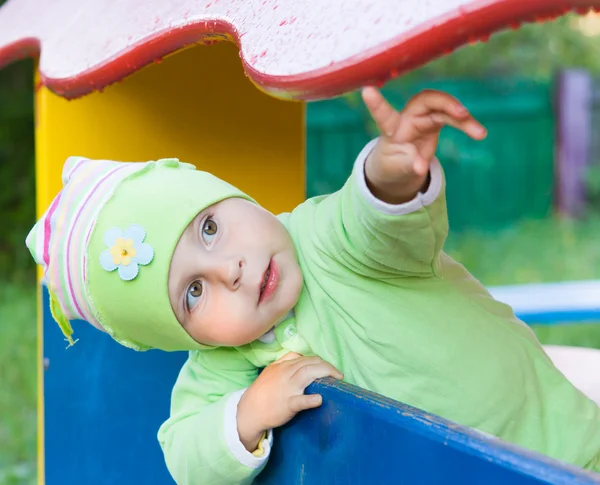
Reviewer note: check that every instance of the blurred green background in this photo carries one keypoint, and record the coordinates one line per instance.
(511, 235)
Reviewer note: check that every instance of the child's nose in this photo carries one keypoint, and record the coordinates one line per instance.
(230, 270)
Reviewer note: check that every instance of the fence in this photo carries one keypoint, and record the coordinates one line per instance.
(507, 177)
(593, 171)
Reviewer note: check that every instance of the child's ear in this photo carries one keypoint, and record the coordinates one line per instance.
(69, 168)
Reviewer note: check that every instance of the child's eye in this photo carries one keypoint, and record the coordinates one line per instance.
(209, 230)
(194, 293)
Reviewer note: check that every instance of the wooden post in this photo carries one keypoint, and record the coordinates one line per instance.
(574, 100)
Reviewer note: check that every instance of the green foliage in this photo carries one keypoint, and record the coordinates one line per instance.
(18, 384)
(542, 251)
(592, 186)
(572, 334)
(535, 50)
(17, 183)
(490, 183)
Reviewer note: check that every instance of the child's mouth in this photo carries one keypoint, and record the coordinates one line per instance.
(265, 279)
(269, 282)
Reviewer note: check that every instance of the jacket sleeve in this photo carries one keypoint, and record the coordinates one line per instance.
(371, 237)
(200, 440)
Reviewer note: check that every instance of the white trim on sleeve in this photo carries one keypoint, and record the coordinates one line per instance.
(232, 436)
(421, 200)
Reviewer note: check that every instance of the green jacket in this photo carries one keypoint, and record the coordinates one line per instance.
(397, 316)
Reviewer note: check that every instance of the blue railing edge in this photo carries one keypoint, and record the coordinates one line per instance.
(461, 438)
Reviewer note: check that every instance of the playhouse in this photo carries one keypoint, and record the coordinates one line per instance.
(137, 81)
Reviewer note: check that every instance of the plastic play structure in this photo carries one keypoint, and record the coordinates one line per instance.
(550, 303)
(104, 91)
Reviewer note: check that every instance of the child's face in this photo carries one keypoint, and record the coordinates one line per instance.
(218, 270)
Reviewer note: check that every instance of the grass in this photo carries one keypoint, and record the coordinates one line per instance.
(576, 335)
(537, 251)
(18, 384)
(533, 251)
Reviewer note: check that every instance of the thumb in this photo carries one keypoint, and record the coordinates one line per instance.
(421, 166)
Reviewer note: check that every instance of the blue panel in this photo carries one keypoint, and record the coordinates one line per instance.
(357, 437)
(103, 407)
(560, 317)
(104, 404)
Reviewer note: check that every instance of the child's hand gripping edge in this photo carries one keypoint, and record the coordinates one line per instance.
(398, 167)
(277, 395)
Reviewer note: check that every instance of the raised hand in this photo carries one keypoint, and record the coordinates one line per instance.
(398, 167)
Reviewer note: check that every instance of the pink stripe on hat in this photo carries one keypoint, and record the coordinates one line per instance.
(81, 209)
(48, 230)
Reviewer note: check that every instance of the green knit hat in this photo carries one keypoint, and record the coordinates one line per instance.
(107, 240)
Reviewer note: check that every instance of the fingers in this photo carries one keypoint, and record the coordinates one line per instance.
(409, 151)
(384, 115)
(307, 374)
(305, 401)
(306, 370)
(296, 362)
(288, 356)
(431, 110)
(301, 372)
(430, 101)
(435, 121)
(428, 111)
(421, 166)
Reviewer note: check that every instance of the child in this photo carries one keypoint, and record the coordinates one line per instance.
(160, 255)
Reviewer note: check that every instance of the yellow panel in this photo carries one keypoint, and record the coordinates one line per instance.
(197, 106)
(40, 343)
